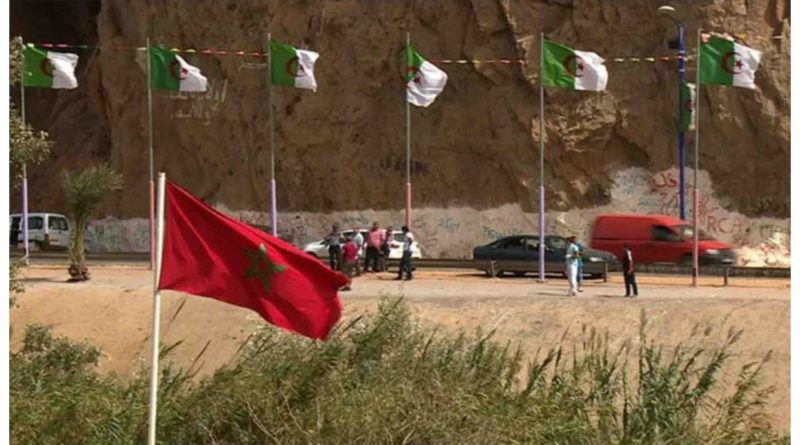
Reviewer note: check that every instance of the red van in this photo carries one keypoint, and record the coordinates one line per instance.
(656, 239)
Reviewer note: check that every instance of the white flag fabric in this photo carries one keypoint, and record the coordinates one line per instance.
(591, 73)
(191, 79)
(424, 81)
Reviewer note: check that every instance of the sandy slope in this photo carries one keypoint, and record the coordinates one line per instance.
(113, 311)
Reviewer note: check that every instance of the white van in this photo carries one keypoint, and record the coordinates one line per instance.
(45, 231)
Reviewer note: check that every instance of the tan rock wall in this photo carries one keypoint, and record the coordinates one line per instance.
(342, 149)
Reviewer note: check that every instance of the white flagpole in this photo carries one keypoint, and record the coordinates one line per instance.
(273, 199)
(151, 432)
(695, 197)
(408, 143)
(24, 221)
(150, 143)
(541, 158)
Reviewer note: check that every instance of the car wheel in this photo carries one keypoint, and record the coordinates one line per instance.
(488, 273)
(519, 274)
(687, 261)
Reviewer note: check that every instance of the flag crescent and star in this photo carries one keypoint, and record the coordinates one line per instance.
(726, 64)
(47, 67)
(568, 62)
(177, 71)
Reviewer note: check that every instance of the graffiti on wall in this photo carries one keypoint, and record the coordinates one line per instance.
(453, 232)
(201, 106)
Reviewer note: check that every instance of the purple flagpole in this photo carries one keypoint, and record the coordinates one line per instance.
(25, 213)
(24, 222)
(541, 158)
(541, 233)
(273, 199)
(273, 208)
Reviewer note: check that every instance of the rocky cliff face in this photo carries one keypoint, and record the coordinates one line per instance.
(342, 148)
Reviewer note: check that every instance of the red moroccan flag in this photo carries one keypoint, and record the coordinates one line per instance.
(209, 254)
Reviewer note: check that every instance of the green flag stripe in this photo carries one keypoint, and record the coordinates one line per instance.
(716, 62)
(38, 69)
(413, 62)
(284, 63)
(557, 59)
(164, 69)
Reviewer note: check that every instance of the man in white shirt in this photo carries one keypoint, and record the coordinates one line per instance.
(405, 262)
(359, 240)
(572, 257)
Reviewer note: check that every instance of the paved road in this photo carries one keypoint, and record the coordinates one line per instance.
(61, 257)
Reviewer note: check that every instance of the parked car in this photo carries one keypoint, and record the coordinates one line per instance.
(523, 250)
(657, 239)
(319, 248)
(46, 231)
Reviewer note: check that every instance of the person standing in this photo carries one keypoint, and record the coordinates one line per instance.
(572, 256)
(386, 248)
(405, 262)
(629, 272)
(375, 238)
(358, 238)
(579, 275)
(334, 248)
(349, 260)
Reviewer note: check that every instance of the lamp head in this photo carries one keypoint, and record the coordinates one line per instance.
(666, 10)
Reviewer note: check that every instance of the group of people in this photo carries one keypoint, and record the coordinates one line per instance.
(344, 251)
(574, 260)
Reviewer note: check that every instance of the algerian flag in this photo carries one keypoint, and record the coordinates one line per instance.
(292, 67)
(424, 81)
(725, 62)
(687, 106)
(575, 70)
(48, 69)
(168, 71)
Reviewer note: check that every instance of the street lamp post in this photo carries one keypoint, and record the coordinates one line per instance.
(669, 11)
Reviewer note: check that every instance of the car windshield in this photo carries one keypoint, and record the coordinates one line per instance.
(686, 232)
(556, 243)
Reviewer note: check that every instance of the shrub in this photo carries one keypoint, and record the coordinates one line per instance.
(383, 378)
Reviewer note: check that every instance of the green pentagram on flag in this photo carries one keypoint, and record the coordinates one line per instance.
(261, 266)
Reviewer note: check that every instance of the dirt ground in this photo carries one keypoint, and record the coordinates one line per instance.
(113, 311)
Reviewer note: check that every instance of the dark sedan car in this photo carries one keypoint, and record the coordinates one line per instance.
(520, 254)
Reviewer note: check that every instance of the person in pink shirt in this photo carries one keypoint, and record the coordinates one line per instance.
(349, 260)
(375, 238)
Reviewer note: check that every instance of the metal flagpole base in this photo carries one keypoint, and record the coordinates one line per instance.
(695, 242)
(24, 220)
(541, 235)
(273, 207)
(408, 204)
(152, 224)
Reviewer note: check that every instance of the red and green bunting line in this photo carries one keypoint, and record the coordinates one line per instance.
(241, 53)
